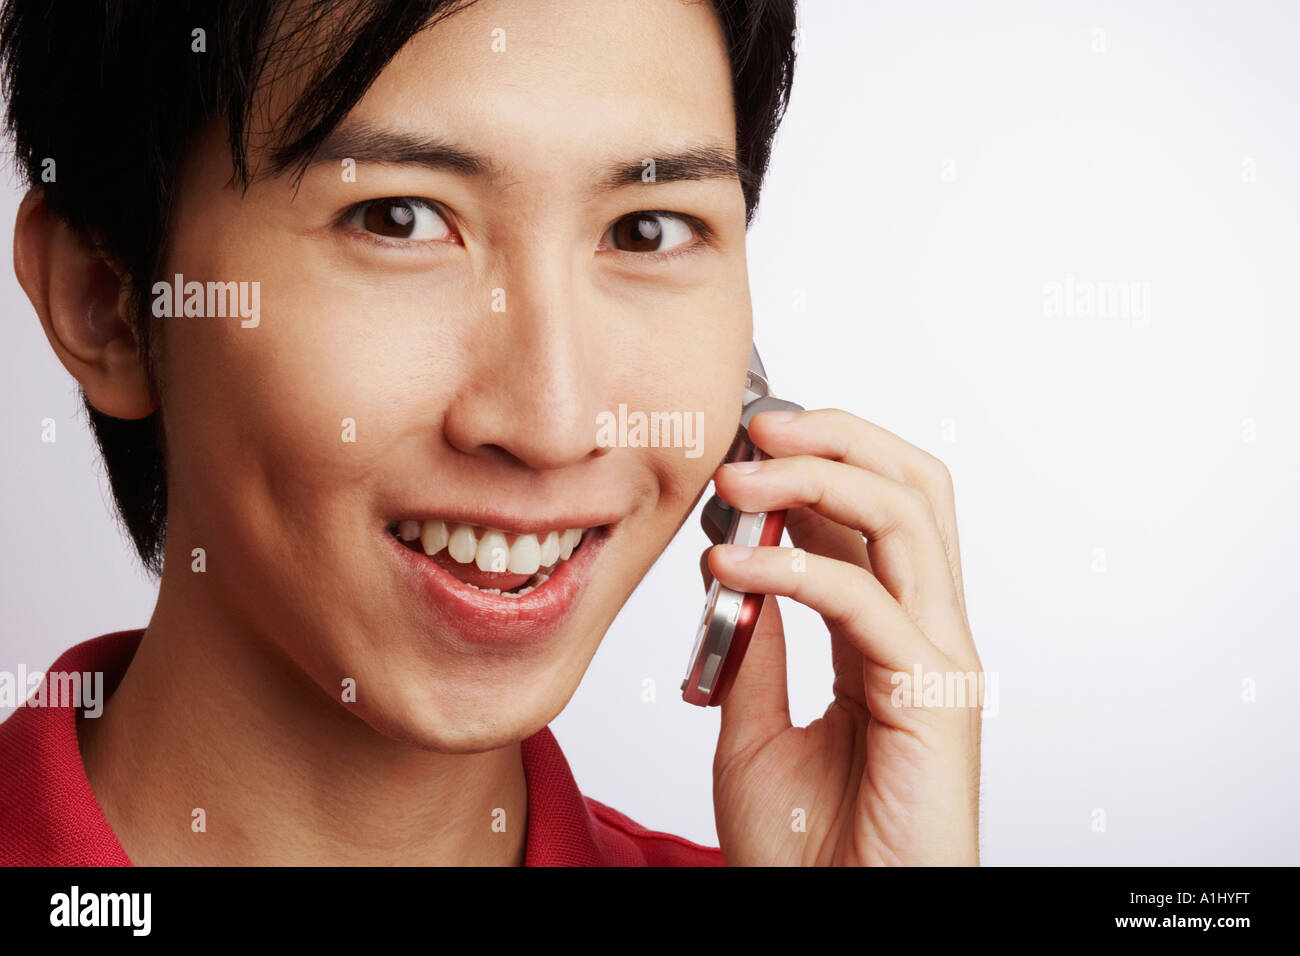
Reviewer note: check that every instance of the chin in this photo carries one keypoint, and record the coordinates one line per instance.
(464, 720)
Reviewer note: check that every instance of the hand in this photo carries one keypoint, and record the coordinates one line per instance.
(882, 777)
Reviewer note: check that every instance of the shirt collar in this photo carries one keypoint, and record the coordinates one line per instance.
(48, 804)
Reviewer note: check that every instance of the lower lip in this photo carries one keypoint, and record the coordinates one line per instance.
(491, 619)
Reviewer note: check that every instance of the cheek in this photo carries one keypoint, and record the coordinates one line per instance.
(284, 416)
(708, 399)
(309, 396)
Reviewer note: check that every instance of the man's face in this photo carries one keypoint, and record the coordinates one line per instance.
(442, 342)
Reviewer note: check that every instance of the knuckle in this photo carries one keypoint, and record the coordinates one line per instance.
(937, 475)
(915, 504)
(942, 476)
(848, 612)
(812, 485)
(847, 615)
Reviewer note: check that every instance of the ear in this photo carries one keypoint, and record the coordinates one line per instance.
(81, 298)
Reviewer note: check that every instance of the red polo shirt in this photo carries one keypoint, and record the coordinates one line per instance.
(49, 816)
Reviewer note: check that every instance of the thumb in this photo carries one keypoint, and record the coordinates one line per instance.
(758, 706)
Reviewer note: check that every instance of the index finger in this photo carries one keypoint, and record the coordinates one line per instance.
(842, 436)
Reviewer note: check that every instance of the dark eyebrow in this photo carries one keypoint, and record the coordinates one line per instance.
(696, 163)
(368, 144)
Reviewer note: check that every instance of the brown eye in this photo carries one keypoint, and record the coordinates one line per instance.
(649, 232)
(401, 218)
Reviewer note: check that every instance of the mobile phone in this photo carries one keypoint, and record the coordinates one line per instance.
(729, 616)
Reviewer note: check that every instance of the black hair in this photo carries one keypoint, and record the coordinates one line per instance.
(116, 91)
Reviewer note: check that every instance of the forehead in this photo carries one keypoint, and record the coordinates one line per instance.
(553, 83)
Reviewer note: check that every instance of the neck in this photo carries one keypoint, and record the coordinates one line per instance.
(212, 719)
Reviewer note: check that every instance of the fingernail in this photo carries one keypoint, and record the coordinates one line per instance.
(744, 467)
(780, 417)
(735, 553)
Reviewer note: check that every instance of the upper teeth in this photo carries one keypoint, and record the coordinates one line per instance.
(488, 548)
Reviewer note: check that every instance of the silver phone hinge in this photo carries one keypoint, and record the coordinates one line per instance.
(756, 378)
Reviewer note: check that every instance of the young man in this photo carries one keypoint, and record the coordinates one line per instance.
(347, 286)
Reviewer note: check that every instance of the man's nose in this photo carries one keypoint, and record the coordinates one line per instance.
(532, 381)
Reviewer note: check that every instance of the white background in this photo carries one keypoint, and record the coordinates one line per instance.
(938, 168)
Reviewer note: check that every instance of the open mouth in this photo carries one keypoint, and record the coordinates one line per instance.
(488, 559)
